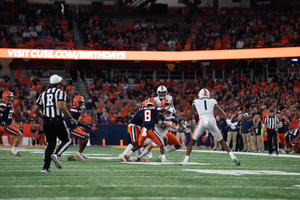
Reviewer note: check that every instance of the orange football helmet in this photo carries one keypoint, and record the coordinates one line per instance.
(7, 97)
(79, 102)
(149, 102)
(164, 103)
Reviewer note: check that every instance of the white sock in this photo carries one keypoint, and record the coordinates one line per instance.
(186, 158)
(143, 154)
(232, 155)
(14, 150)
(129, 153)
(138, 152)
(163, 156)
(128, 148)
(171, 150)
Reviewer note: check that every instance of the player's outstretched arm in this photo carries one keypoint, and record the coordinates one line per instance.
(220, 112)
(192, 111)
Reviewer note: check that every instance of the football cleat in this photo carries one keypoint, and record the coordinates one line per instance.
(149, 155)
(292, 151)
(183, 163)
(47, 171)
(56, 161)
(236, 162)
(79, 155)
(165, 160)
(125, 158)
(144, 160)
(16, 154)
(84, 156)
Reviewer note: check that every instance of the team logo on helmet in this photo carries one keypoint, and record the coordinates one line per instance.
(7, 97)
(79, 102)
(204, 93)
(149, 102)
(162, 92)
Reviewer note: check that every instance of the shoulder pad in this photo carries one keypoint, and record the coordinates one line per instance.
(3, 104)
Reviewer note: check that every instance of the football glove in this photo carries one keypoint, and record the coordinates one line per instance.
(186, 123)
(230, 124)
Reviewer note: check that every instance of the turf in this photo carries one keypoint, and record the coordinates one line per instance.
(104, 176)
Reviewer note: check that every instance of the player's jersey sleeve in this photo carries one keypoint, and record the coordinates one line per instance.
(214, 102)
(194, 102)
(74, 110)
(157, 100)
(39, 102)
(3, 105)
(169, 98)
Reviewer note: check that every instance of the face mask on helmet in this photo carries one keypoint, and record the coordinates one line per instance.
(81, 104)
(162, 95)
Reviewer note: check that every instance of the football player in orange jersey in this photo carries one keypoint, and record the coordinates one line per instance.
(76, 111)
(150, 113)
(6, 115)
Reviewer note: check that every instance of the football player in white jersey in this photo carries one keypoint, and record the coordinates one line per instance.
(206, 107)
(162, 93)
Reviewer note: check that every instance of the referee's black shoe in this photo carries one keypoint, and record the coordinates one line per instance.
(56, 160)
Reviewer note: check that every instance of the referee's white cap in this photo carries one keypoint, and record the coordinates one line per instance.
(55, 79)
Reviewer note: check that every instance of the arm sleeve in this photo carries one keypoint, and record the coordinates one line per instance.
(62, 96)
(175, 119)
(162, 117)
(265, 120)
(84, 125)
(39, 102)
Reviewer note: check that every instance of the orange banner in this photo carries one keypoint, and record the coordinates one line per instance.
(280, 52)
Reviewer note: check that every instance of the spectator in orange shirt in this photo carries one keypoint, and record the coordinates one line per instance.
(130, 27)
(4, 43)
(31, 44)
(178, 46)
(106, 87)
(87, 118)
(161, 46)
(120, 29)
(218, 44)
(284, 41)
(69, 87)
(64, 21)
(18, 74)
(70, 44)
(187, 46)
(2, 83)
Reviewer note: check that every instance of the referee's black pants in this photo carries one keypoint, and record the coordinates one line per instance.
(53, 129)
(272, 134)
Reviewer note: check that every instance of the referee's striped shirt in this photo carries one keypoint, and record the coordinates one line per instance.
(272, 122)
(48, 102)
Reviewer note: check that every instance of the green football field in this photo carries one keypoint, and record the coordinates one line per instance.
(210, 175)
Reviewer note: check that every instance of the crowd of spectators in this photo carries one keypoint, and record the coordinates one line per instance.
(40, 27)
(114, 101)
(27, 89)
(267, 28)
(37, 27)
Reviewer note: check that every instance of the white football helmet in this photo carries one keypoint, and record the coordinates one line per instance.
(162, 89)
(169, 111)
(204, 93)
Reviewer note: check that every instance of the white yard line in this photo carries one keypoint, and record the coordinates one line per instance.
(286, 155)
(147, 186)
(152, 176)
(139, 198)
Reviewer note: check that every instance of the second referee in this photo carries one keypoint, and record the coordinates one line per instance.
(51, 107)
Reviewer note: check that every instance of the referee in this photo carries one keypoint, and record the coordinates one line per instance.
(271, 127)
(51, 107)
